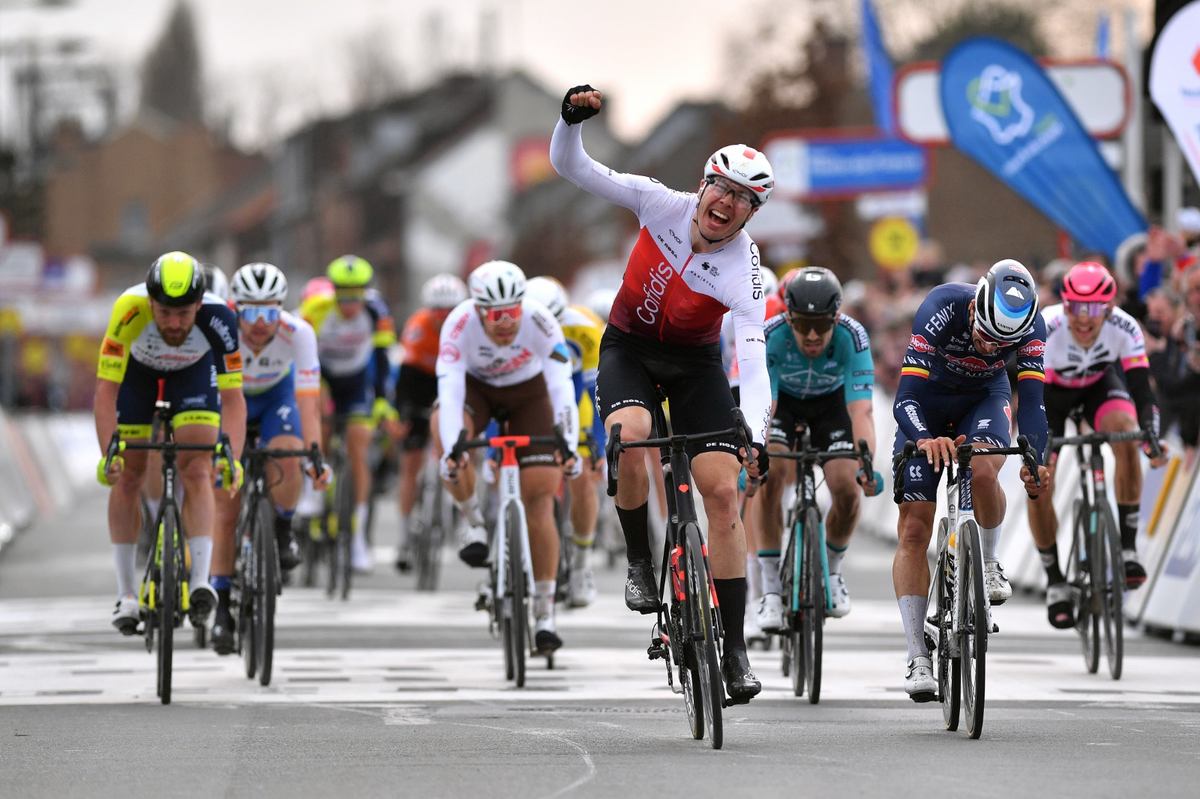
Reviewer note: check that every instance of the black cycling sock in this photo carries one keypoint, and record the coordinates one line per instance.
(635, 524)
(1127, 520)
(223, 598)
(731, 595)
(1049, 557)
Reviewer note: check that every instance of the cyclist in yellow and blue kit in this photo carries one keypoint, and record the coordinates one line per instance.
(168, 329)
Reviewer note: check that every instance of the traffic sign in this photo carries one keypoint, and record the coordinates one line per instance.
(815, 165)
(893, 242)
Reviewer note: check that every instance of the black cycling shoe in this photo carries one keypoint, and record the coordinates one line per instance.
(224, 637)
(289, 550)
(546, 641)
(1135, 572)
(404, 560)
(641, 592)
(740, 682)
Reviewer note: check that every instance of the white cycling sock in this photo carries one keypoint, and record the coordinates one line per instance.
(201, 549)
(125, 556)
(912, 613)
(470, 511)
(402, 534)
(753, 578)
(360, 521)
(834, 555)
(769, 569)
(989, 542)
(543, 598)
(580, 558)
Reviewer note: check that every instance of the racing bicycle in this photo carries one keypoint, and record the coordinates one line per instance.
(804, 567)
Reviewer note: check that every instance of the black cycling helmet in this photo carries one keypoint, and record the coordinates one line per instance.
(813, 291)
(176, 279)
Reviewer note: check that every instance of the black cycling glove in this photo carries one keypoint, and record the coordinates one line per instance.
(574, 114)
(763, 460)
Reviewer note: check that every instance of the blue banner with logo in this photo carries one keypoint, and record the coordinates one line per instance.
(879, 70)
(1005, 113)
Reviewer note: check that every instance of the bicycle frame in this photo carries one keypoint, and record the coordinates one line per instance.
(509, 488)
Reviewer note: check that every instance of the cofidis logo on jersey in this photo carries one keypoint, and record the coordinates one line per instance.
(1003, 111)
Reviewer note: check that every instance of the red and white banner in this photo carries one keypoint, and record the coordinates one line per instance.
(1175, 80)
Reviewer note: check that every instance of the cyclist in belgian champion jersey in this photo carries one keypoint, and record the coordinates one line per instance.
(1095, 358)
(416, 391)
(168, 329)
(822, 375)
(692, 262)
(954, 388)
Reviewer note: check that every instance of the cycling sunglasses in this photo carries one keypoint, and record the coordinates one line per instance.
(818, 324)
(497, 315)
(1094, 310)
(986, 339)
(723, 186)
(350, 295)
(252, 313)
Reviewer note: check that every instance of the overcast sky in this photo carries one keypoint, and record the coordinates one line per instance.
(291, 56)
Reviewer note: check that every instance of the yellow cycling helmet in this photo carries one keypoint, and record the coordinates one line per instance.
(176, 279)
(349, 272)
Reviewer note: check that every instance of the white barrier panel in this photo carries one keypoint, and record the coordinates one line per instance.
(1174, 601)
(17, 508)
(74, 436)
(35, 429)
(1171, 487)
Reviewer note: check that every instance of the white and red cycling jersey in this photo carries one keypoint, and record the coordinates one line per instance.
(292, 350)
(538, 348)
(670, 293)
(1069, 365)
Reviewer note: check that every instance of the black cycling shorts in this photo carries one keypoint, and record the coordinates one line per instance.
(693, 379)
(416, 391)
(826, 417)
(1107, 394)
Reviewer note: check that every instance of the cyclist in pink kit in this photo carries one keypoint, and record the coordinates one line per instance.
(692, 262)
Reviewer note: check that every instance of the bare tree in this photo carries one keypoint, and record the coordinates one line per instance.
(172, 74)
(375, 74)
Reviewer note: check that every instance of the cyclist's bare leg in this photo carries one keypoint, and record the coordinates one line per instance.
(843, 513)
(199, 506)
(1127, 468)
(286, 475)
(1043, 520)
(769, 508)
(633, 482)
(406, 489)
(462, 491)
(910, 568)
(224, 549)
(538, 487)
(585, 503)
(715, 475)
(124, 510)
(358, 441)
(990, 502)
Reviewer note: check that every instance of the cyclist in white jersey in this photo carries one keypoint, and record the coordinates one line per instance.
(281, 378)
(1095, 359)
(502, 350)
(692, 262)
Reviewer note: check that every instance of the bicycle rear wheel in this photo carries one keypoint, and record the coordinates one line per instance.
(793, 646)
(343, 504)
(168, 601)
(1109, 576)
(812, 603)
(974, 632)
(516, 617)
(431, 534)
(1087, 615)
(941, 604)
(267, 588)
(704, 637)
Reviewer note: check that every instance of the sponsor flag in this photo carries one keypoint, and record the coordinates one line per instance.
(879, 70)
(1003, 111)
(1175, 80)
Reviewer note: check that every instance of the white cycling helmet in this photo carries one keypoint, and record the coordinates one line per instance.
(548, 292)
(600, 302)
(215, 281)
(497, 283)
(443, 292)
(259, 282)
(745, 166)
(1006, 301)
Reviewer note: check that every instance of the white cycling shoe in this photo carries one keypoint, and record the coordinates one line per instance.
(770, 613)
(474, 548)
(126, 615)
(582, 588)
(360, 555)
(996, 584)
(918, 679)
(840, 595)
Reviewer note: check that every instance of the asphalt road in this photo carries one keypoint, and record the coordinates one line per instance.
(395, 693)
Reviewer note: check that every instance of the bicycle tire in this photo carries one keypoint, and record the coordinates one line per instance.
(973, 645)
(247, 572)
(704, 638)
(267, 563)
(519, 606)
(1087, 617)
(792, 645)
(430, 533)
(168, 602)
(813, 605)
(1112, 573)
(941, 596)
(344, 507)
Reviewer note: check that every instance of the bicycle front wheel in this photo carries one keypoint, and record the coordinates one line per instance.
(343, 504)
(267, 588)
(940, 604)
(1087, 615)
(168, 601)
(1109, 577)
(704, 636)
(516, 619)
(974, 632)
(813, 605)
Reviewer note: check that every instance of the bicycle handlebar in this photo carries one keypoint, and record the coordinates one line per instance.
(1083, 439)
(862, 453)
(313, 453)
(614, 446)
(968, 450)
(558, 441)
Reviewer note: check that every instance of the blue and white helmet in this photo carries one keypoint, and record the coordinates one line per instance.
(1006, 301)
